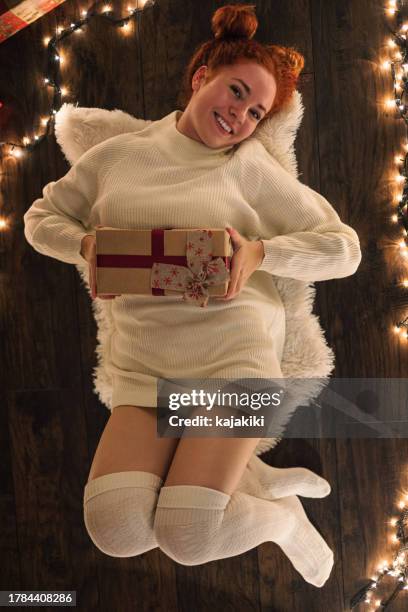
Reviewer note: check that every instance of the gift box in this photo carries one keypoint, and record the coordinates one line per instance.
(193, 263)
(16, 15)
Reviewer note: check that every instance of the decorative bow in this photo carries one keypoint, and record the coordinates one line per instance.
(201, 272)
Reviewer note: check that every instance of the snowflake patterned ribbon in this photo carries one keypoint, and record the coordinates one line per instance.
(201, 272)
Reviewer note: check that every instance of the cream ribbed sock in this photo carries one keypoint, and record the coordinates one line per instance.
(263, 480)
(119, 511)
(194, 525)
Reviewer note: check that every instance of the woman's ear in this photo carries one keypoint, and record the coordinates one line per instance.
(199, 77)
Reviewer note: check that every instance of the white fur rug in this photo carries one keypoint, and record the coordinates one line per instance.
(306, 354)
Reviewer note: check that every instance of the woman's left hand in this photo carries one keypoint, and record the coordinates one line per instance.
(248, 256)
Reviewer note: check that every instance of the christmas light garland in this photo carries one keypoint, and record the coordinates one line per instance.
(399, 566)
(53, 72)
(400, 82)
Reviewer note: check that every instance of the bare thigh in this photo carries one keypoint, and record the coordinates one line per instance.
(217, 463)
(129, 442)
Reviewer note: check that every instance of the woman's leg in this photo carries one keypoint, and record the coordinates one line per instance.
(129, 442)
(201, 516)
(127, 471)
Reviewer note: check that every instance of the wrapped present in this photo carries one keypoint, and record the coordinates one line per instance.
(192, 263)
(17, 14)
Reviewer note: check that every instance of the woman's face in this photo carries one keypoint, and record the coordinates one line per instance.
(236, 93)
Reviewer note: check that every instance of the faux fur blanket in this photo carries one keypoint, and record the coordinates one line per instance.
(306, 355)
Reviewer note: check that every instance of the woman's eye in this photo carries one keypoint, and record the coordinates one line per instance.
(236, 89)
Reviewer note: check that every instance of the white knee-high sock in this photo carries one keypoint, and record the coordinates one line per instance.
(263, 480)
(119, 512)
(194, 525)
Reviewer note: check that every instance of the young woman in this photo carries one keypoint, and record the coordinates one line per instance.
(200, 168)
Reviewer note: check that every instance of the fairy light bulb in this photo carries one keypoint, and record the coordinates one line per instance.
(84, 13)
(26, 140)
(396, 329)
(44, 120)
(397, 159)
(401, 504)
(59, 29)
(16, 153)
(391, 43)
(64, 91)
(106, 9)
(394, 218)
(46, 40)
(385, 65)
(390, 103)
(399, 178)
(402, 245)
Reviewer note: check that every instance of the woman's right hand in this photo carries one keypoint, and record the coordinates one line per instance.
(88, 252)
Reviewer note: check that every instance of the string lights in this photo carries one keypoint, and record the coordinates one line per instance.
(398, 65)
(55, 60)
(398, 569)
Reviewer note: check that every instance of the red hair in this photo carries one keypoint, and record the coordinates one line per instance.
(234, 26)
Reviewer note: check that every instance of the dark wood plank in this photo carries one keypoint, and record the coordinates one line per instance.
(357, 141)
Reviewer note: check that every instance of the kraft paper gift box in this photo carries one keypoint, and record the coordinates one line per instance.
(192, 263)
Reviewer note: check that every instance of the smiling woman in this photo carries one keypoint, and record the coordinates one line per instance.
(227, 105)
(235, 78)
(198, 168)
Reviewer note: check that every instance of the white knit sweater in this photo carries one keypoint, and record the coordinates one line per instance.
(159, 177)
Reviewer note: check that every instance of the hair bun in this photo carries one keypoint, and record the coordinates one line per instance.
(234, 21)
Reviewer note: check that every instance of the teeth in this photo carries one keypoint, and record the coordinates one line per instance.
(223, 124)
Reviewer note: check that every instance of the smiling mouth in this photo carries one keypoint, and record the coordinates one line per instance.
(219, 125)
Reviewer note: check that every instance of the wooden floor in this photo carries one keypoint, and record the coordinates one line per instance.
(50, 419)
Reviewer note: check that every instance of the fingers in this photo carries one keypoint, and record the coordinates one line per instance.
(234, 287)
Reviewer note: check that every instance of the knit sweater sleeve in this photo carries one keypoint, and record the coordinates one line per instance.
(55, 224)
(313, 243)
